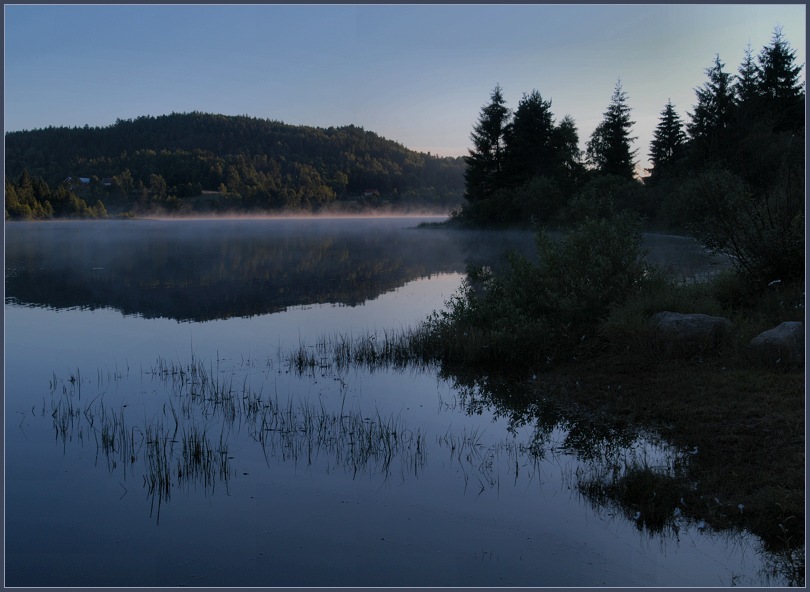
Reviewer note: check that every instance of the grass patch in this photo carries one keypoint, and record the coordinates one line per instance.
(751, 310)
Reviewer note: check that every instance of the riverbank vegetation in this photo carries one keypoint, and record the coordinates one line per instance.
(568, 340)
(605, 380)
(571, 333)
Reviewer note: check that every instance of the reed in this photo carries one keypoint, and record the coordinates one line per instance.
(399, 349)
(303, 433)
(66, 415)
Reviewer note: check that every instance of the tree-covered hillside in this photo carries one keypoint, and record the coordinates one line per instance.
(199, 161)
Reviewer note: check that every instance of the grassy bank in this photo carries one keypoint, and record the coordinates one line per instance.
(740, 427)
(746, 421)
(566, 342)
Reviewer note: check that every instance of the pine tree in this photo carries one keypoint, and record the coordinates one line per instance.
(608, 150)
(746, 87)
(715, 99)
(529, 140)
(780, 85)
(566, 147)
(669, 140)
(713, 114)
(485, 161)
(26, 183)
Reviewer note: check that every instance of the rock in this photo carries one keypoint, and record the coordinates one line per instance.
(781, 346)
(689, 334)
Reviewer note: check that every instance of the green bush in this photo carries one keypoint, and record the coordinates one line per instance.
(537, 313)
(539, 200)
(596, 266)
(760, 229)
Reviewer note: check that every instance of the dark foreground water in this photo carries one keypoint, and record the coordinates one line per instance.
(175, 415)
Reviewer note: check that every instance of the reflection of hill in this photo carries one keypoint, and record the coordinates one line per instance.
(203, 270)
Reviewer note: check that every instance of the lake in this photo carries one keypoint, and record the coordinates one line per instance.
(175, 416)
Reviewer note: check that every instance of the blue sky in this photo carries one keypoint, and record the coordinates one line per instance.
(416, 74)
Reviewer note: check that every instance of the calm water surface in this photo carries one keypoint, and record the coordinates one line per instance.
(159, 432)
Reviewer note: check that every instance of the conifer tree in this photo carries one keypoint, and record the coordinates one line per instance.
(715, 100)
(713, 116)
(566, 146)
(745, 192)
(608, 150)
(485, 161)
(529, 140)
(26, 183)
(668, 141)
(746, 86)
(779, 84)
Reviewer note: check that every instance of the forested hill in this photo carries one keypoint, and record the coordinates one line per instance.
(205, 161)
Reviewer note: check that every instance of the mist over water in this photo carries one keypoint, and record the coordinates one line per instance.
(131, 343)
(201, 270)
(205, 269)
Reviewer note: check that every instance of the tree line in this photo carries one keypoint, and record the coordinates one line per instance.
(732, 174)
(203, 161)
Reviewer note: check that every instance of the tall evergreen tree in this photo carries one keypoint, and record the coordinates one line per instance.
(780, 85)
(566, 146)
(529, 140)
(746, 86)
(608, 150)
(714, 103)
(668, 142)
(713, 114)
(485, 161)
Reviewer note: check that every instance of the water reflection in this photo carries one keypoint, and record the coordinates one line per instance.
(196, 428)
(192, 270)
(196, 270)
(237, 451)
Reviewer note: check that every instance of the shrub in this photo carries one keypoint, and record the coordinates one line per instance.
(727, 294)
(760, 229)
(492, 211)
(660, 293)
(531, 314)
(596, 266)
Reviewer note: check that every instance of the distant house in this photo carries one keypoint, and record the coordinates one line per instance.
(107, 181)
(371, 193)
(82, 180)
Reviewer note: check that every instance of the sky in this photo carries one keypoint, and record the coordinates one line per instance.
(415, 74)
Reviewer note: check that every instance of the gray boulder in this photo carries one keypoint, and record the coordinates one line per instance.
(781, 346)
(688, 334)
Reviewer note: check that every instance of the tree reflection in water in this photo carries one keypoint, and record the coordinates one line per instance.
(198, 271)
